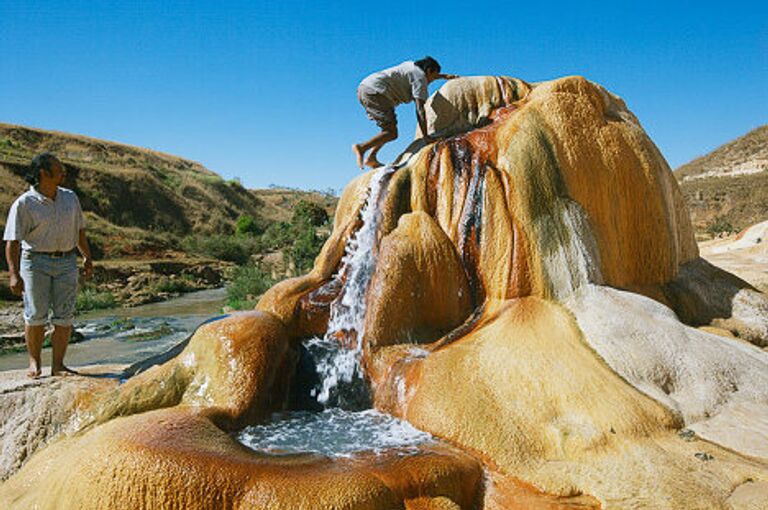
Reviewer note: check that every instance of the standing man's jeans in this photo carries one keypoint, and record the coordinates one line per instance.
(50, 283)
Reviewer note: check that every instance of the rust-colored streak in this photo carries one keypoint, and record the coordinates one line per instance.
(433, 176)
(520, 276)
(314, 308)
(470, 228)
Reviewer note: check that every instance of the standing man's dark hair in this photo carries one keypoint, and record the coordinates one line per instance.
(43, 161)
(428, 64)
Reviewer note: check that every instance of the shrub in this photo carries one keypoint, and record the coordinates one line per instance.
(720, 225)
(305, 248)
(91, 298)
(309, 212)
(221, 247)
(276, 236)
(174, 285)
(248, 225)
(248, 282)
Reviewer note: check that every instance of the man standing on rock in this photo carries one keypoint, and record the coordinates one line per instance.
(381, 92)
(44, 226)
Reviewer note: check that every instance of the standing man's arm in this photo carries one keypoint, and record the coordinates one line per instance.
(85, 251)
(421, 118)
(13, 257)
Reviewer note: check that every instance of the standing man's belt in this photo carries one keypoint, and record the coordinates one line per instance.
(55, 254)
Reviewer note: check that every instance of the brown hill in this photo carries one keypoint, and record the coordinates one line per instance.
(727, 189)
(140, 202)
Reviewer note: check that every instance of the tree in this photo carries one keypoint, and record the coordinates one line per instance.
(309, 212)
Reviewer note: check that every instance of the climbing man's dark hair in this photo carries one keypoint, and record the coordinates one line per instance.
(43, 161)
(428, 64)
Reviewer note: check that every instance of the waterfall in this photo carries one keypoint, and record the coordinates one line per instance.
(341, 377)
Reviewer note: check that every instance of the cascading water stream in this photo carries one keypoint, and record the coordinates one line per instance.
(347, 424)
(339, 370)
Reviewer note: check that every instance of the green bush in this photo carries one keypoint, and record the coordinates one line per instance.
(276, 236)
(248, 282)
(91, 298)
(174, 285)
(309, 212)
(720, 225)
(248, 225)
(305, 248)
(221, 247)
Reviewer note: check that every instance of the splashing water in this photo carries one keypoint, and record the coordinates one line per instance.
(333, 432)
(339, 369)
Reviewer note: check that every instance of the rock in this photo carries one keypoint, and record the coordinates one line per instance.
(237, 367)
(177, 457)
(419, 291)
(543, 258)
(35, 411)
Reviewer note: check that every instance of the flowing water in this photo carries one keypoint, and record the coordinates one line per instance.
(333, 432)
(346, 425)
(339, 369)
(128, 335)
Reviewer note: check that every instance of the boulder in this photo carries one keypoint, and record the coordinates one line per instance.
(419, 291)
(570, 338)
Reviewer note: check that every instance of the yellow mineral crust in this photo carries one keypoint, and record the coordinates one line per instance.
(419, 279)
(177, 458)
(562, 159)
(500, 249)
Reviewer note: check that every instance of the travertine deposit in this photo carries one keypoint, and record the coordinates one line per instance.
(537, 301)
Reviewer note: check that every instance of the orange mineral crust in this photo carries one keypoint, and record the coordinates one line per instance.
(531, 295)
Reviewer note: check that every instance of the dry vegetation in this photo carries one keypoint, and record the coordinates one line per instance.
(727, 189)
(141, 203)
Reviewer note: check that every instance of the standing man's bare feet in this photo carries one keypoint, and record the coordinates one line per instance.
(62, 371)
(34, 371)
(359, 154)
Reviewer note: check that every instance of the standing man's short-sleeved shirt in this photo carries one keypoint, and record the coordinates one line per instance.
(45, 225)
(400, 84)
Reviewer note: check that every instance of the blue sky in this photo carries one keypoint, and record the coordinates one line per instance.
(265, 91)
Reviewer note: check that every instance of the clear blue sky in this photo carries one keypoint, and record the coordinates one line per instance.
(265, 91)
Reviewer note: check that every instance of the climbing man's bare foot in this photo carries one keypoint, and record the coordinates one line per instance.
(34, 372)
(359, 154)
(372, 162)
(62, 371)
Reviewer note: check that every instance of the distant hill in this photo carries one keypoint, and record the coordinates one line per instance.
(140, 202)
(727, 189)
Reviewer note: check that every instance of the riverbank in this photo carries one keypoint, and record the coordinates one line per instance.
(122, 284)
(128, 335)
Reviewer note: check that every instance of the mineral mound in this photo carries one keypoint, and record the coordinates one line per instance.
(533, 297)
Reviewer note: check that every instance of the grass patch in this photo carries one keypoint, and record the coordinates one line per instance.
(143, 336)
(720, 225)
(174, 285)
(211, 180)
(247, 284)
(235, 249)
(91, 298)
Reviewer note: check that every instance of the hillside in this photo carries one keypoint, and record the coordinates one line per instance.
(140, 202)
(727, 189)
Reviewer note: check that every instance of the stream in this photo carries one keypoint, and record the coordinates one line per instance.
(128, 335)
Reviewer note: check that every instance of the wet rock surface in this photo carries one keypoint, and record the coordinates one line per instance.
(566, 381)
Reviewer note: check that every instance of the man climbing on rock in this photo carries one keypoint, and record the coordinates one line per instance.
(381, 92)
(44, 227)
